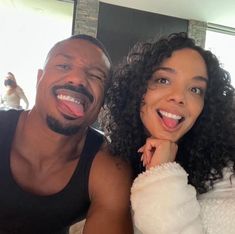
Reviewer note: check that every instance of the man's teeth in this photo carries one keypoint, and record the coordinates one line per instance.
(170, 115)
(68, 98)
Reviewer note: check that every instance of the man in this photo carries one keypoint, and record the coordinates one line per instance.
(55, 169)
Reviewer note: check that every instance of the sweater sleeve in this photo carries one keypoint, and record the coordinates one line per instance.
(163, 202)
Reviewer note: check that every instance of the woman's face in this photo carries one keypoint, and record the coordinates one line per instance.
(175, 95)
(9, 82)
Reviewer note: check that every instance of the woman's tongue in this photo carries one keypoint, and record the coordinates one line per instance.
(71, 109)
(169, 122)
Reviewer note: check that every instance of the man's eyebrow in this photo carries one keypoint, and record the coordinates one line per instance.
(169, 69)
(65, 55)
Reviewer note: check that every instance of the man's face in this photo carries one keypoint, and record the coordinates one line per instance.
(70, 88)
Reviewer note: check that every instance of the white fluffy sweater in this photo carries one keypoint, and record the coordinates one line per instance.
(164, 203)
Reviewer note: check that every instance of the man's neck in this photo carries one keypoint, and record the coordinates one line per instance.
(33, 137)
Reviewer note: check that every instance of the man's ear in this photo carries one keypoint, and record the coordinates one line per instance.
(40, 72)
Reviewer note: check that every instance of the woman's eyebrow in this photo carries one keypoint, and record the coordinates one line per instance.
(171, 70)
(168, 69)
(201, 78)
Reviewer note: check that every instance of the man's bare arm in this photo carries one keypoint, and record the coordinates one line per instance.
(109, 187)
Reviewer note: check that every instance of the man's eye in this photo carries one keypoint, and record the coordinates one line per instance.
(97, 77)
(65, 67)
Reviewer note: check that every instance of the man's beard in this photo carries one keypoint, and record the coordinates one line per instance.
(56, 126)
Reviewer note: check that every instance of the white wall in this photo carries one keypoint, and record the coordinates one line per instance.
(27, 34)
(222, 45)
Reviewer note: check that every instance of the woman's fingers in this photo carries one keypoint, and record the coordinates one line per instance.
(156, 152)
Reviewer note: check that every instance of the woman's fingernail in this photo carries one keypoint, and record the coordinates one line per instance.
(140, 150)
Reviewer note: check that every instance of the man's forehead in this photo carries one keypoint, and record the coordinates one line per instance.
(66, 45)
(70, 47)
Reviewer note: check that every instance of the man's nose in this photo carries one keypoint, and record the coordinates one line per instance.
(78, 77)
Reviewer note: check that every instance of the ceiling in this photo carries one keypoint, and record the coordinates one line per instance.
(221, 12)
(57, 7)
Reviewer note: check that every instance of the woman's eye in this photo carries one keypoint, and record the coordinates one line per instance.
(155, 82)
(162, 81)
(197, 90)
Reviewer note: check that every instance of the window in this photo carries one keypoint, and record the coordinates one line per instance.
(221, 41)
(28, 31)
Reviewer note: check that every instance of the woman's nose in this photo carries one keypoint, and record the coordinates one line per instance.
(178, 96)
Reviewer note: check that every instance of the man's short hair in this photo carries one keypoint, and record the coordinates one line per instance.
(94, 41)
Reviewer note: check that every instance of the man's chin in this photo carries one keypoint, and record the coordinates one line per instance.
(59, 128)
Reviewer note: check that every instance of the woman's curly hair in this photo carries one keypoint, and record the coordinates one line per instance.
(208, 147)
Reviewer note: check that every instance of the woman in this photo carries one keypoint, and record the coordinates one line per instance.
(13, 94)
(170, 108)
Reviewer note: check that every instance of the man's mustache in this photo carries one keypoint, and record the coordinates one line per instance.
(78, 89)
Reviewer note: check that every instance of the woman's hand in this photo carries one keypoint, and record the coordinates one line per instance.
(156, 152)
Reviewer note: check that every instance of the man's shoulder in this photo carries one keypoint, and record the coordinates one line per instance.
(110, 175)
(9, 115)
(111, 167)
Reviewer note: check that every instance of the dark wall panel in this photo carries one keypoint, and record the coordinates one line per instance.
(119, 28)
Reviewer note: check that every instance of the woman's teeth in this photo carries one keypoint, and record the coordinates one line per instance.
(170, 115)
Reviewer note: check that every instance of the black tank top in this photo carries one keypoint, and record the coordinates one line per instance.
(26, 213)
